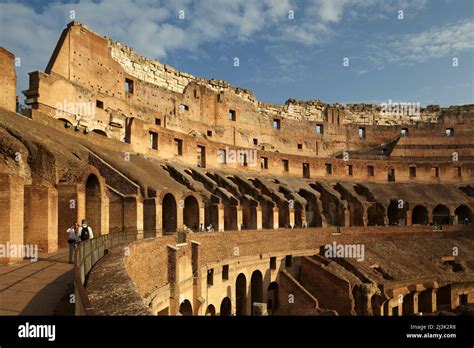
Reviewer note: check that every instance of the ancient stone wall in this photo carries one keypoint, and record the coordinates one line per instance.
(7, 80)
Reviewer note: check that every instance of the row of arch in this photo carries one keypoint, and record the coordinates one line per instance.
(241, 298)
(441, 215)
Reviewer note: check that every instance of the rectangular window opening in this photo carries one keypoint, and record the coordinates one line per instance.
(154, 140)
(178, 143)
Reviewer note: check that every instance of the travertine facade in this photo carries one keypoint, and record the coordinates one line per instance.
(143, 150)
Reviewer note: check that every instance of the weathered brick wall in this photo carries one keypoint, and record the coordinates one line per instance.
(293, 299)
(147, 264)
(331, 290)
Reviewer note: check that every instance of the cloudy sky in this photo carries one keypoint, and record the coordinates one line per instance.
(285, 48)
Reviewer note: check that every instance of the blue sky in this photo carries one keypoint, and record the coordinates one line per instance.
(286, 48)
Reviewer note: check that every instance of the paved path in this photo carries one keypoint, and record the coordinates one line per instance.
(37, 288)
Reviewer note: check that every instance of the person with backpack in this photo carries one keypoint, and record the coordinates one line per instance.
(72, 240)
(85, 232)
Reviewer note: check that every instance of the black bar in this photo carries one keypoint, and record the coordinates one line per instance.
(290, 331)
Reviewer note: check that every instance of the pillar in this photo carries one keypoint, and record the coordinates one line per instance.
(180, 215)
(220, 217)
(11, 213)
(275, 218)
(259, 218)
(430, 214)
(409, 221)
(41, 217)
(172, 279)
(159, 217)
(365, 217)
(68, 211)
(133, 214)
(390, 305)
(239, 217)
(104, 214)
(292, 216)
(202, 215)
(197, 277)
(347, 217)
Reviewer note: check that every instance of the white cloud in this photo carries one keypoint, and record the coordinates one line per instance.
(437, 42)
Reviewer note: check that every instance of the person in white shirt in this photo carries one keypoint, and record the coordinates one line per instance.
(72, 240)
(85, 231)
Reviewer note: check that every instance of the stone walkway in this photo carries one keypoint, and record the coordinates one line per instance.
(37, 288)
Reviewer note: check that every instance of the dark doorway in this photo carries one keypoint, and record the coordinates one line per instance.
(169, 213)
(241, 295)
(226, 307)
(256, 286)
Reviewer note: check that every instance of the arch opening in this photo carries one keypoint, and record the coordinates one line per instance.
(441, 215)
(186, 309)
(256, 289)
(241, 295)
(397, 213)
(93, 204)
(211, 310)
(463, 215)
(420, 215)
(376, 215)
(226, 307)
(191, 213)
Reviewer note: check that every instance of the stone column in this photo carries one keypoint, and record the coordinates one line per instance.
(259, 217)
(239, 217)
(220, 216)
(104, 213)
(159, 217)
(430, 214)
(173, 276)
(197, 277)
(275, 218)
(409, 221)
(292, 216)
(202, 215)
(180, 215)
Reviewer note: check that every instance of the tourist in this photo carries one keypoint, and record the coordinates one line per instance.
(85, 232)
(72, 240)
(18, 110)
(202, 228)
